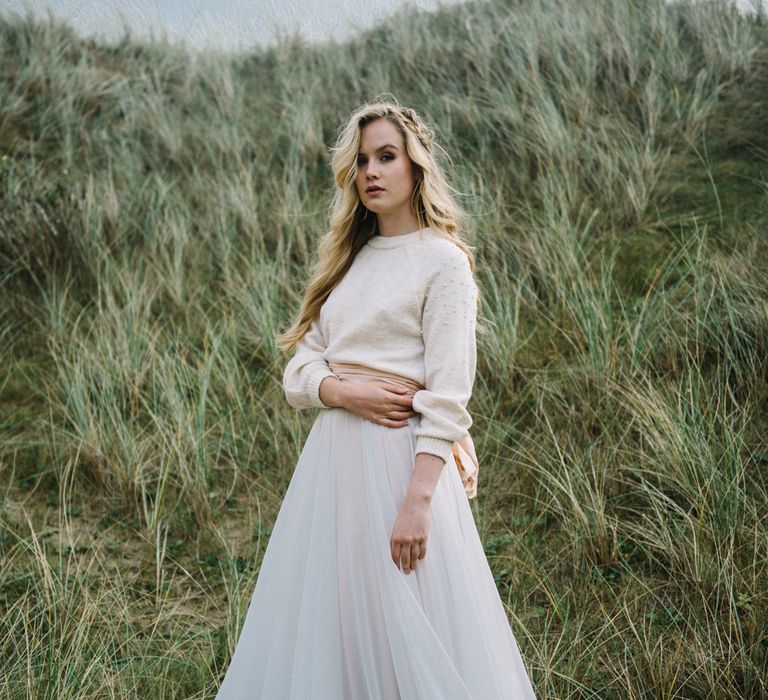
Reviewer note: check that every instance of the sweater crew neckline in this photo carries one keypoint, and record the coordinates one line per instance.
(379, 241)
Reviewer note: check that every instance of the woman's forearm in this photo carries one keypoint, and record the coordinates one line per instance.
(426, 473)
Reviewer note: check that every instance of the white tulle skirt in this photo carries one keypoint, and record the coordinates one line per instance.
(333, 618)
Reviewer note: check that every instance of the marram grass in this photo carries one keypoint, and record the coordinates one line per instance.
(159, 210)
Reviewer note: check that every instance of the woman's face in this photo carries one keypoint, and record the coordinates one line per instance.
(383, 163)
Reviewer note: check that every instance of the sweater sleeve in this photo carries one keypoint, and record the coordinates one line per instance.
(449, 321)
(306, 370)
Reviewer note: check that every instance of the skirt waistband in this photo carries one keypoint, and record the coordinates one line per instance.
(463, 451)
(352, 371)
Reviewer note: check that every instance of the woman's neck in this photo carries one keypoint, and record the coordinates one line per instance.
(397, 226)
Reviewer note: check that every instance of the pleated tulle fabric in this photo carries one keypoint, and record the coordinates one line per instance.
(333, 618)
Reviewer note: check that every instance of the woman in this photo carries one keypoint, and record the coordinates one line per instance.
(374, 584)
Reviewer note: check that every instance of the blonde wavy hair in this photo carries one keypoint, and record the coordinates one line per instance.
(351, 223)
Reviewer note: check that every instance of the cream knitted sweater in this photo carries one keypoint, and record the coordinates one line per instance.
(406, 305)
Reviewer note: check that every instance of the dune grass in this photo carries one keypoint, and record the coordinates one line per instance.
(159, 210)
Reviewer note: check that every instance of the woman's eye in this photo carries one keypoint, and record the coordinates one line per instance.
(362, 161)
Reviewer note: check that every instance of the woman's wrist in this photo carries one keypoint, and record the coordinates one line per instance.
(426, 472)
(333, 391)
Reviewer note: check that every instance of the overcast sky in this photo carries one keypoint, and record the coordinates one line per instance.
(231, 25)
(223, 24)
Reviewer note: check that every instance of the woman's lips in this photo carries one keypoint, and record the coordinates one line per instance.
(374, 192)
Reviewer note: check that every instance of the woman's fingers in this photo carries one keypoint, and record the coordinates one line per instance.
(393, 419)
(389, 423)
(402, 402)
(415, 549)
(399, 396)
(406, 555)
(400, 415)
(395, 552)
(399, 412)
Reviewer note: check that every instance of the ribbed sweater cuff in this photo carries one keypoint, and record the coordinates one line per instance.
(313, 386)
(434, 446)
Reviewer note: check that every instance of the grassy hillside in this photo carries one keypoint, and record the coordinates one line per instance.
(159, 210)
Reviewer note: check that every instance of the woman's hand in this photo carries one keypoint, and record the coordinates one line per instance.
(408, 542)
(379, 402)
